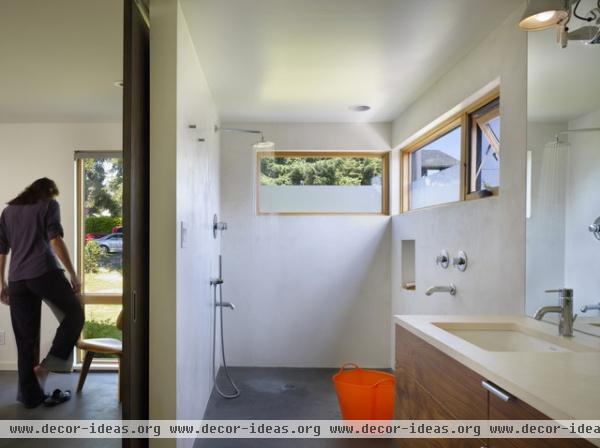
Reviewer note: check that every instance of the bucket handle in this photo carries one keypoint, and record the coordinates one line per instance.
(349, 364)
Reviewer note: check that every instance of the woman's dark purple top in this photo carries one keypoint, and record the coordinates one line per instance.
(26, 231)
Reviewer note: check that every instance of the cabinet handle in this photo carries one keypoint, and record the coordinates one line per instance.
(498, 392)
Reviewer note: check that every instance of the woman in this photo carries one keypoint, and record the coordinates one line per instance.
(30, 229)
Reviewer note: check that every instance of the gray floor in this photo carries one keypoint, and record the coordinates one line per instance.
(97, 401)
(276, 394)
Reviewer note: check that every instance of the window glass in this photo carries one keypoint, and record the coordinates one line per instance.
(102, 216)
(318, 183)
(101, 322)
(435, 171)
(485, 148)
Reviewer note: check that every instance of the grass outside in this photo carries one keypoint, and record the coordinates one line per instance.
(105, 281)
(100, 320)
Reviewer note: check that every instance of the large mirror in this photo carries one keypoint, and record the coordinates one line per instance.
(563, 165)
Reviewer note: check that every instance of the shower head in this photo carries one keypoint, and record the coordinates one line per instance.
(263, 145)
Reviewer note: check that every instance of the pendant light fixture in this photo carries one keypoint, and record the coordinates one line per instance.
(544, 14)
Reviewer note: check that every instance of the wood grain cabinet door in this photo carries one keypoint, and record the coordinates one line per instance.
(515, 409)
(432, 386)
(457, 388)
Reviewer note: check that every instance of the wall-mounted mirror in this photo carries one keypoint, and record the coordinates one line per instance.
(563, 164)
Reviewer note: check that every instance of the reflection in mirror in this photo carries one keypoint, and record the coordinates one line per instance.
(563, 145)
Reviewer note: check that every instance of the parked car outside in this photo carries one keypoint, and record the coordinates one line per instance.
(112, 243)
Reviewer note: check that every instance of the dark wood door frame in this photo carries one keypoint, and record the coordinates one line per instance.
(136, 203)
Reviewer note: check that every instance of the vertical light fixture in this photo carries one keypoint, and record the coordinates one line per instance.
(543, 14)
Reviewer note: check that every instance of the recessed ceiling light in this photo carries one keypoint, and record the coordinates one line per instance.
(118, 83)
(360, 108)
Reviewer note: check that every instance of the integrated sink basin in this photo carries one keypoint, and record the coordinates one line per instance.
(510, 337)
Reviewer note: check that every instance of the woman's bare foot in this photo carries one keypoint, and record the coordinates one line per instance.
(41, 373)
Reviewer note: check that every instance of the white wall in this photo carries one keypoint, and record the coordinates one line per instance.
(197, 256)
(310, 291)
(32, 150)
(582, 250)
(184, 189)
(491, 230)
(546, 226)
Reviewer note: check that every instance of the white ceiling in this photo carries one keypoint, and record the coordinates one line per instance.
(59, 60)
(563, 84)
(308, 60)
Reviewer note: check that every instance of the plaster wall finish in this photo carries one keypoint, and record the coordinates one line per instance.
(184, 195)
(491, 230)
(197, 250)
(310, 291)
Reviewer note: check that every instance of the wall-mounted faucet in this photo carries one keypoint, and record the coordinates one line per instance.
(586, 308)
(451, 289)
(564, 309)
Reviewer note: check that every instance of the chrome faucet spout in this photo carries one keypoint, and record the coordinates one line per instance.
(229, 305)
(451, 289)
(564, 309)
(543, 310)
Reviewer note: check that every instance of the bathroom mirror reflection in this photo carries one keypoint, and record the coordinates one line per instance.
(563, 169)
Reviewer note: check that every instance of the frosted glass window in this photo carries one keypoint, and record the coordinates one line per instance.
(298, 183)
(435, 171)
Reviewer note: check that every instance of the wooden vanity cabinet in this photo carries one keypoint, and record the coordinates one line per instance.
(515, 409)
(430, 385)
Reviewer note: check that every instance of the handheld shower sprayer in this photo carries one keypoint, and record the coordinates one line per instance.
(218, 303)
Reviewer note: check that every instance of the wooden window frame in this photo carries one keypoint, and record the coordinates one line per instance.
(90, 299)
(384, 155)
(462, 120)
(481, 123)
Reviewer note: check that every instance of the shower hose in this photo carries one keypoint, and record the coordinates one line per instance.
(216, 305)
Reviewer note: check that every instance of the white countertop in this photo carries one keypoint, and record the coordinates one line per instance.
(562, 385)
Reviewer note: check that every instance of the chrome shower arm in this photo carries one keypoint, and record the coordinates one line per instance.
(245, 131)
(572, 131)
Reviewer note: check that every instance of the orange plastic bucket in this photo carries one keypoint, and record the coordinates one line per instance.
(365, 394)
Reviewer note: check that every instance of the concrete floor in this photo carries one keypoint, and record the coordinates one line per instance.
(97, 401)
(280, 394)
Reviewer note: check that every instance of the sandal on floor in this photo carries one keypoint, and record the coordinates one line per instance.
(57, 397)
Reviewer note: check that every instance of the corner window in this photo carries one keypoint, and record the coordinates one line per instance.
(322, 183)
(456, 161)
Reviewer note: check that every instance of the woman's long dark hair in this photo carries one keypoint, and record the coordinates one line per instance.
(42, 189)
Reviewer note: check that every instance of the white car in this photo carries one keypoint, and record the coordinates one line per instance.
(112, 243)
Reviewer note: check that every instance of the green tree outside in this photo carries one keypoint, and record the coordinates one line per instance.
(320, 170)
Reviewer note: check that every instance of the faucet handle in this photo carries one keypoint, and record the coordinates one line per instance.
(443, 259)
(563, 292)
